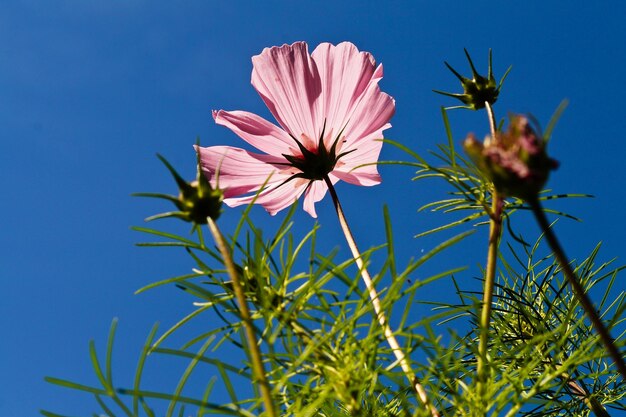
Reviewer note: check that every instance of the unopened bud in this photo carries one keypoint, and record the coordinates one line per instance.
(515, 161)
(478, 89)
(196, 200)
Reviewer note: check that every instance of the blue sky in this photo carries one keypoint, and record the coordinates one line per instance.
(90, 91)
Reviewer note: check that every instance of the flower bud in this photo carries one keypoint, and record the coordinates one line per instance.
(196, 200)
(515, 161)
(478, 89)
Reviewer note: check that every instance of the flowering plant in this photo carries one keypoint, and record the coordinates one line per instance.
(528, 340)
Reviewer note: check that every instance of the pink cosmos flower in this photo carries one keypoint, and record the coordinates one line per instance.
(331, 114)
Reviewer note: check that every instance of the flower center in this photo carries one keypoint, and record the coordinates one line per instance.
(316, 162)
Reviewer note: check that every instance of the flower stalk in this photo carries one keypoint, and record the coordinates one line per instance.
(577, 288)
(380, 315)
(255, 351)
(580, 391)
(495, 231)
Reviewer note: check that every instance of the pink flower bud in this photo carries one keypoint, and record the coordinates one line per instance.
(515, 161)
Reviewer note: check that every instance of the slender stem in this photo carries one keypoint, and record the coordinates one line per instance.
(577, 288)
(577, 388)
(580, 391)
(492, 120)
(255, 352)
(380, 315)
(573, 388)
(495, 230)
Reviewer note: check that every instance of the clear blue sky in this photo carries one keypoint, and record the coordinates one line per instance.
(91, 90)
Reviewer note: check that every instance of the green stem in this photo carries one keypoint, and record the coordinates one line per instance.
(577, 288)
(255, 351)
(492, 121)
(495, 230)
(380, 314)
(573, 388)
(577, 388)
(580, 391)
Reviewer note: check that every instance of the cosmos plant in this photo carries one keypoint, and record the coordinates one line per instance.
(526, 338)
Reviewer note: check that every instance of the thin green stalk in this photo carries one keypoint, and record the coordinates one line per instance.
(577, 288)
(495, 230)
(380, 315)
(255, 351)
(576, 390)
(580, 391)
(492, 120)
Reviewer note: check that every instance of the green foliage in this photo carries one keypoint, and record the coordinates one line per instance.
(321, 343)
(544, 356)
(326, 355)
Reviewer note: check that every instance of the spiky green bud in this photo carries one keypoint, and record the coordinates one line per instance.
(478, 90)
(196, 200)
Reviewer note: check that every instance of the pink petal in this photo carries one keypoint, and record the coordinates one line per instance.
(367, 152)
(257, 131)
(287, 79)
(314, 193)
(237, 171)
(273, 199)
(371, 114)
(345, 75)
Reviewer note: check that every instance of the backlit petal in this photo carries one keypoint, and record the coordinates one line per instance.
(237, 171)
(364, 156)
(287, 79)
(345, 74)
(273, 199)
(314, 193)
(372, 113)
(257, 131)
